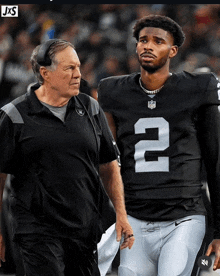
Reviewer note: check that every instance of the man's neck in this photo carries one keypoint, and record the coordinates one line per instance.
(50, 98)
(153, 81)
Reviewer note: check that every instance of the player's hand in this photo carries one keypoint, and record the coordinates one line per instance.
(124, 230)
(2, 250)
(214, 246)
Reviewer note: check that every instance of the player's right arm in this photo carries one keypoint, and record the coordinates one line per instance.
(111, 124)
(107, 102)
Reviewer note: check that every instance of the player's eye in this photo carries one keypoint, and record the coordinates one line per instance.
(143, 40)
(159, 41)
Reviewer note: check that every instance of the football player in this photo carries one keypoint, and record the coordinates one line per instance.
(166, 124)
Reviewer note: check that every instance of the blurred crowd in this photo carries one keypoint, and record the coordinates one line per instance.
(102, 35)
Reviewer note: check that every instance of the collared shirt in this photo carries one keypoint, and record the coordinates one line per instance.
(56, 188)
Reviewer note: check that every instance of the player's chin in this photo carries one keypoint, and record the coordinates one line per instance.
(149, 67)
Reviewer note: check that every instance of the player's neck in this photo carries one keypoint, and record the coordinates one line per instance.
(155, 80)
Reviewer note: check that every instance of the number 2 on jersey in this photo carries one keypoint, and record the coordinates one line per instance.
(162, 164)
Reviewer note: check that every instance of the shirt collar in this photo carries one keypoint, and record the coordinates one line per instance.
(35, 105)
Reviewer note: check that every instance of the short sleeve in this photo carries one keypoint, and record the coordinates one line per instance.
(7, 143)
(212, 93)
(105, 88)
(108, 148)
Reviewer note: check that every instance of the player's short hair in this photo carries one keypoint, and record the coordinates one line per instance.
(162, 22)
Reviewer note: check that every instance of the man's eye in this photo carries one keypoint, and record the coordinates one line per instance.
(159, 41)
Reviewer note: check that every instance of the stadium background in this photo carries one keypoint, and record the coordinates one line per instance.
(102, 35)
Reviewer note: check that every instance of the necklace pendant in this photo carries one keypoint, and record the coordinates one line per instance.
(151, 104)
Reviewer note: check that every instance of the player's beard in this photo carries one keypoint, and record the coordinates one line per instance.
(152, 67)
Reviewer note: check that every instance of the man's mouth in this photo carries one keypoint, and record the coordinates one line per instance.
(147, 55)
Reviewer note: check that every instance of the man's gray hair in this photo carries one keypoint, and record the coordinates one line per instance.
(56, 47)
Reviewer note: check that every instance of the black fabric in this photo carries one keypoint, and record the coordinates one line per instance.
(55, 186)
(44, 255)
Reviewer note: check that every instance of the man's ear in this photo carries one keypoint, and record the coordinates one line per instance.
(44, 72)
(173, 51)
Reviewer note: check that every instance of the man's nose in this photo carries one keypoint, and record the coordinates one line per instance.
(77, 73)
(148, 45)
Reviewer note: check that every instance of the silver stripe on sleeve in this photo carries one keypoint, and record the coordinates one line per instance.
(13, 113)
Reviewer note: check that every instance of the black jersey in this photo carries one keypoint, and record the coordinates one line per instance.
(162, 140)
(56, 188)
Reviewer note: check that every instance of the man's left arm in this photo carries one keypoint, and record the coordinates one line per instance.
(209, 136)
(112, 181)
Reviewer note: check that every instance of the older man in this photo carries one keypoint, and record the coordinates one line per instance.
(56, 144)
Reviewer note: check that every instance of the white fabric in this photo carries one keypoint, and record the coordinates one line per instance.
(107, 249)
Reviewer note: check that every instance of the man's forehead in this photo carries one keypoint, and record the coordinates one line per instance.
(67, 55)
(154, 31)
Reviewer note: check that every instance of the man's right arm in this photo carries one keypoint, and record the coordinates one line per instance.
(111, 179)
(7, 146)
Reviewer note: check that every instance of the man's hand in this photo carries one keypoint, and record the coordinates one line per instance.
(123, 229)
(2, 250)
(112, 181)
(215, 247)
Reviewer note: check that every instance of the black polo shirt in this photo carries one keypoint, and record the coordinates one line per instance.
(56, 189)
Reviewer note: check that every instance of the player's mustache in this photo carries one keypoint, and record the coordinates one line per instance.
(147, 54)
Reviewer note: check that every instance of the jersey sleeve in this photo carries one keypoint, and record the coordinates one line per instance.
(7, 144)
(209, 136)
(212, 96)
(108, 148)
(105, 90)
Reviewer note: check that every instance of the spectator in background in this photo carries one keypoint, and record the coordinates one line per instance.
(111, 67)
(16, 71)
(113, 25)
(5, 40)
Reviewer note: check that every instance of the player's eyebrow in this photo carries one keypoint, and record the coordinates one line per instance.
(155, 37)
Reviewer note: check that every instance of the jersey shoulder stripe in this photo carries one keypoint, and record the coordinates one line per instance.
(13, 113)
(94, 106)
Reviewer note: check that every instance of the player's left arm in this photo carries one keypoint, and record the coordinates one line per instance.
(209, 136)
(112, 181)
(211, 149)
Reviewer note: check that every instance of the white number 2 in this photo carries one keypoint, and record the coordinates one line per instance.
(162, 164)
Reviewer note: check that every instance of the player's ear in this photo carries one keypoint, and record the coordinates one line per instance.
(173, 51)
